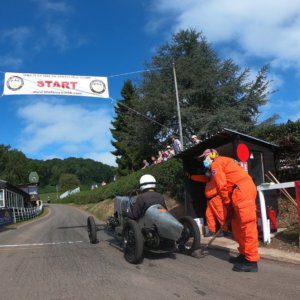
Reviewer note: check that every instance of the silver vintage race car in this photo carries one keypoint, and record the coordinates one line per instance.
(156, 230)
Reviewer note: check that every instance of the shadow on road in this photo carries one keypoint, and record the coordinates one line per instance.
(220, 254)
(149, 254)
(156, 255)
(71, 227)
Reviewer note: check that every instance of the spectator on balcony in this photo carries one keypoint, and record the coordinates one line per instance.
(165, 155)
(176, 145)
(145, 164)
(153, 161)
(170, 152)
(159, 158)
(195, 140)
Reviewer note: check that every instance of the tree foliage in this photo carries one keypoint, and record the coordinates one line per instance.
(214, 93)
(122, 131)
(13, 165)
(287, 136)
(68, 182)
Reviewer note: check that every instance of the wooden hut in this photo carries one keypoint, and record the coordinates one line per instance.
(256, 156)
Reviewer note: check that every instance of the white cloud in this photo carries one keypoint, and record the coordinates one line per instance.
(276, 82)
(104, 157)
(9, 61)
(54, 6)
(288, 110)
(14, 39)
(267, 29)
(69, 129)
(58, 35)
(17, 36)
(22, 43)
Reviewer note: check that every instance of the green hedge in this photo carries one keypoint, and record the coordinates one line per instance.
(169, 178)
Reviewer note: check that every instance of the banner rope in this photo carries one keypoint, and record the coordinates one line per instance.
(138, 113)
(134, 72)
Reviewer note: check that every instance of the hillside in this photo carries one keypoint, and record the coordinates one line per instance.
(15, 168)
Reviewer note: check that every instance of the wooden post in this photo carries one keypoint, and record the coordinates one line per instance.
(283, 191)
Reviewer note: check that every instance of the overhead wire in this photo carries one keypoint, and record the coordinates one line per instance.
(129, 108)
(137, 112)
(134, 72)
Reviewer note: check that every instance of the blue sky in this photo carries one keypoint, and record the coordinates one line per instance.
(106, 38)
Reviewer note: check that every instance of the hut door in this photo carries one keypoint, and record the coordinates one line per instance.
(256, 167)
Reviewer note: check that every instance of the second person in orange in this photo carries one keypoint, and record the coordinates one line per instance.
(215, 212)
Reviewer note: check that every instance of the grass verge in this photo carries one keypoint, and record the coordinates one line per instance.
(101, 210)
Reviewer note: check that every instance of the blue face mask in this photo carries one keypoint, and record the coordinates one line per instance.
(206, 163)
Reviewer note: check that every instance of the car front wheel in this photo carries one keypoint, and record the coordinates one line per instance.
(133, 242)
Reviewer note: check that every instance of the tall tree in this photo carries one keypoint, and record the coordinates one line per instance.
(122, 129)
(15, 168)
(214, 93)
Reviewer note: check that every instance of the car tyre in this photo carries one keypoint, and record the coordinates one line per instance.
(91, 228)
(133, 242)
(190, 237)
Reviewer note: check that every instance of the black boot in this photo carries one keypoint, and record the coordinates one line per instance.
(246, 266)
(238, 259)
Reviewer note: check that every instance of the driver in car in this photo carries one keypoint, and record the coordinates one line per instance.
(146, 198)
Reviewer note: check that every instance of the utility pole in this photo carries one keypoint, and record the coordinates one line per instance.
(178, 107)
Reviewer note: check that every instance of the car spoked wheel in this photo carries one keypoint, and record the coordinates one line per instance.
(91, 228)
(190, 237)
(133, 242)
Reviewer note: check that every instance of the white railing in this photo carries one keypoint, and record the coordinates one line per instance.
(265, 222)
(23, 214)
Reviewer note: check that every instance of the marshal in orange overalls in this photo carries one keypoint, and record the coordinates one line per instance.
(236, 188)
(215, 212)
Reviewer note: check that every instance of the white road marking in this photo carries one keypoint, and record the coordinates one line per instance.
(40, 244)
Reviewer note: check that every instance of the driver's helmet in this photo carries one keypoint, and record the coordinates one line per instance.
(147, 182)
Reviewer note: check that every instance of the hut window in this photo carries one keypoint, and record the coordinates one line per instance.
(1, 198)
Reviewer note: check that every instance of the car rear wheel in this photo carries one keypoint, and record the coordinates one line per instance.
(91, 228)
(190, 237)
(133, 242)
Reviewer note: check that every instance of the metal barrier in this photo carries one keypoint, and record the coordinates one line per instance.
(23, 214)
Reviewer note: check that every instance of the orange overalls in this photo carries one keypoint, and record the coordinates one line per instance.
(236, 188)
(215, 213)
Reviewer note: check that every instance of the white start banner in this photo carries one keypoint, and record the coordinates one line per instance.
(50, 84)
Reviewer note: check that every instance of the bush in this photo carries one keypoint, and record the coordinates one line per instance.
(169, 177)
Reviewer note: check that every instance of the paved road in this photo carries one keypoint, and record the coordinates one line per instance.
(51, 258)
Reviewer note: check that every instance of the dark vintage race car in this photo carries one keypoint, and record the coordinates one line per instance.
(156, 230)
